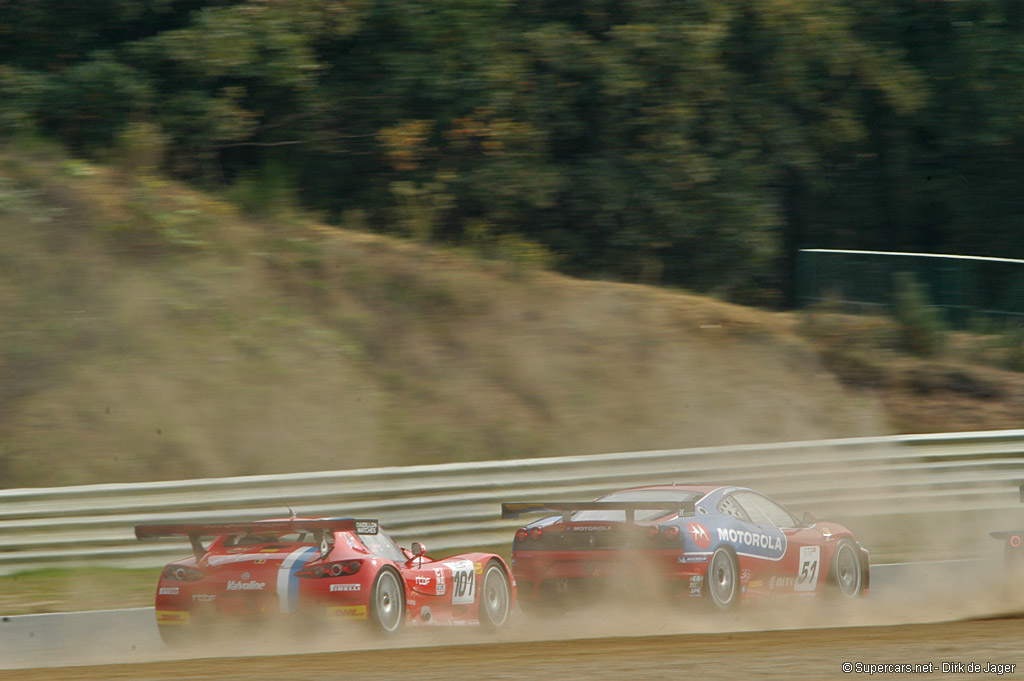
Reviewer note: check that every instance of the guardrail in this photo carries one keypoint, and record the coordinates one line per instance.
(906, 496)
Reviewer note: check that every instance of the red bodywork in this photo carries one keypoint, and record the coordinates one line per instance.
(668, 555)
(264, 570)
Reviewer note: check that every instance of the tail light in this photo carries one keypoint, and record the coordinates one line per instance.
(180, 573)
(671, 531)
(536, 532)
(1015, 541)
(652, 531)
(522, 533)
(341, 568)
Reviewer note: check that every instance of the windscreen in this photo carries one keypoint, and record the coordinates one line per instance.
(671, 496)
(267, 538)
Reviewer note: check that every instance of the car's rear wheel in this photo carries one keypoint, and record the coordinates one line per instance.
(495, 596)
(846, 575)
(721, 584)
(387, 602)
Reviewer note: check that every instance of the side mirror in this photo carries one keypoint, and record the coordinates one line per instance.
(415, 552)
(808, 519)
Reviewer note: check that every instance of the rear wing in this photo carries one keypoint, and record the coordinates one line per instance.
(317, 526)
(566, 508)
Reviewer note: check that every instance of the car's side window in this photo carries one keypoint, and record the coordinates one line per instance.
(382, 545)
(730, 506)
(764, 511)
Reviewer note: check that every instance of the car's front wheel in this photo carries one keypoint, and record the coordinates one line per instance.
(495, 596)
(846, 575)
(721, 583)
(387, 602)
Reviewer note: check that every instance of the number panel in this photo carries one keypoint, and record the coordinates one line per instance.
(463, 585)
(808, 568)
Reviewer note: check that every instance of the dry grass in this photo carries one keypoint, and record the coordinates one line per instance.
(970, 386)
(73, 589)
(152, 333)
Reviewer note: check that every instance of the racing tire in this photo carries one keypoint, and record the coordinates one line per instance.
(722, 581)
(846, 575)
(495, 597)
(387, 602)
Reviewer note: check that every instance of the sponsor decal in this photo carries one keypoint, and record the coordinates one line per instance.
(696, 579)
(203, 598)
(260, 561)
(692, 559)
(478, 568)
(781, 582)
(172, 617)
(366, 527)
(756, 584)
(441, 587)
(252, 585)
(422, 581)
(236, 549)
(354, 612)
(744, 575)
(807, 579)
(169, 591)
(588, 528)
(347, 587)
(774, 544)
(700, 534)
(463, 581)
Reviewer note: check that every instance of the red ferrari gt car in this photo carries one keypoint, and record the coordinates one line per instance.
(723, 544)
(332, 568)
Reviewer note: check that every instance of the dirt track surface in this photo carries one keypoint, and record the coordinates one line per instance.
(792, 654)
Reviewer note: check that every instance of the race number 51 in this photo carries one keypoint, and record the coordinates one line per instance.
(807, 575)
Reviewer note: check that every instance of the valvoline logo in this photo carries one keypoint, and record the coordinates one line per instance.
(699, 533)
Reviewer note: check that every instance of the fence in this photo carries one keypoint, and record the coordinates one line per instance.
(963, 286)
(909, 497)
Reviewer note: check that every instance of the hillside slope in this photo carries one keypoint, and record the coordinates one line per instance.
(151, 332)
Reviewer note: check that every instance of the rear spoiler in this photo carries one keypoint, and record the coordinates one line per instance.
(196, 531)
(516, 509)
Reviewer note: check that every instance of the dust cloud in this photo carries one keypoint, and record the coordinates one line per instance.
(911, 594)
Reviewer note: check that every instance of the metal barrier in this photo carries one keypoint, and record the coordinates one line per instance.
(906, 497)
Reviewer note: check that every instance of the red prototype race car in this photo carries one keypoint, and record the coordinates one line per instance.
(724, 544)
(330, 568)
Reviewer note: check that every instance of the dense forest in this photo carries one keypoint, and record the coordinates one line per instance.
(693, 143)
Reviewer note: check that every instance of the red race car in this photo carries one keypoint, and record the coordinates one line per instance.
(722, 544)
(332, 568)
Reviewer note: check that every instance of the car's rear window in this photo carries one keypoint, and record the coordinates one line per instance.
(268, 538)
(671, 496)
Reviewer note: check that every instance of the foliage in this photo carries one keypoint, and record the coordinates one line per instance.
(696, 144)
(922, 329)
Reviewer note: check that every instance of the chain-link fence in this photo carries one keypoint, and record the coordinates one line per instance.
(965, 287)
